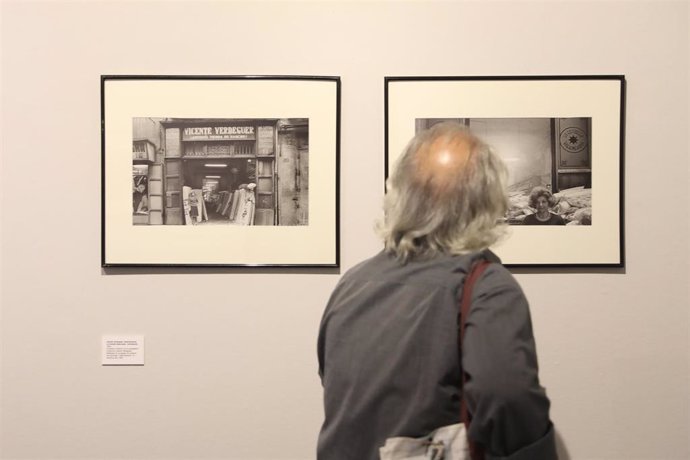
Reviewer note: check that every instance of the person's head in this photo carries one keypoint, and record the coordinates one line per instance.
(540, 198)
(445, 196)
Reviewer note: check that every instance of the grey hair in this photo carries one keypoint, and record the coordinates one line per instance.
(420, 222)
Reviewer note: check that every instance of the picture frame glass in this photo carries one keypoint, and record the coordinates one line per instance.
(221, 171)
(562, 134)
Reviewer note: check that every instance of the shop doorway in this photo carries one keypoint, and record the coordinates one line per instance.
(219, 180)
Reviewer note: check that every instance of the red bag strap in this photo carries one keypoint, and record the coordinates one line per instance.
(476, 450)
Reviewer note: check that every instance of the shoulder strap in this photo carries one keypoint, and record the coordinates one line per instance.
(476, 450)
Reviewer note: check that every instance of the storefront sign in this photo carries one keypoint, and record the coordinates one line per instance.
(218, 133)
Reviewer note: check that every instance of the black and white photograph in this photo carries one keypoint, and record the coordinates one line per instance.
(549, 165)
(223, 171)
(140, 192)
(561, 139)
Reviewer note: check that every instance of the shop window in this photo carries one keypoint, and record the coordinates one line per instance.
(194, 149)
(219, 149)
(174, 183)
(143, 150)
(264, 168)
(265, 184)
(172, 200)
(264, 201)
(265, 140)
(244, 148)
(140, 189)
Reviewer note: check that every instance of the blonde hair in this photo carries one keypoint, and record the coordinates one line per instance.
(426, 217)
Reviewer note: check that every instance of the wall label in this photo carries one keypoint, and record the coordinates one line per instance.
(123, 350)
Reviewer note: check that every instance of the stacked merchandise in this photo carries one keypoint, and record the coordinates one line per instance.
(223, 203)
(194, 206)
(238, 206)
(212, 198)
(246, 205)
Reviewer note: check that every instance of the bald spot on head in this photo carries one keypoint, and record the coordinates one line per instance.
(442, 161)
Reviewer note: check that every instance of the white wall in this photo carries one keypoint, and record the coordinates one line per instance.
(231, 364)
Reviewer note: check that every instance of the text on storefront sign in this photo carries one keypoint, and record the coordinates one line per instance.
(218, 132)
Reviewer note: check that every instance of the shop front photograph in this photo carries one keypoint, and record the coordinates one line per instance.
(220, 171)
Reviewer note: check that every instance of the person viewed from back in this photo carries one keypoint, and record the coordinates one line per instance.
(388, 341)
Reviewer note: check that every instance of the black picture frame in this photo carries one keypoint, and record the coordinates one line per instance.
(220, 170)
(581, 115)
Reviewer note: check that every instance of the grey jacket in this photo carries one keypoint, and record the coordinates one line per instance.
(389, 363)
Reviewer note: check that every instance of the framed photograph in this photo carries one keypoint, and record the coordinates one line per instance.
(562, 139)
(229, 171)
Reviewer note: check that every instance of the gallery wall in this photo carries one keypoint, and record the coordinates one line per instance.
(231, 366)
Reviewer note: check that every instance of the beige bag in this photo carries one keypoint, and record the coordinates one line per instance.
(445, 443)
